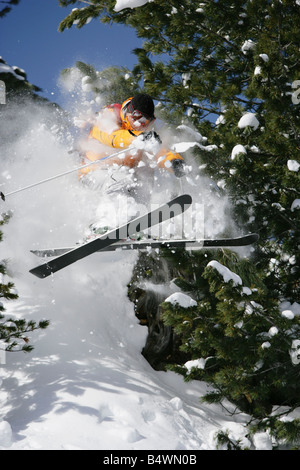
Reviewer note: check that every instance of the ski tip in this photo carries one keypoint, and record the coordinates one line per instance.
(253, 237)
(2, 196)
(188, 198)
(183, 199)
(249, 239)
(41, 271)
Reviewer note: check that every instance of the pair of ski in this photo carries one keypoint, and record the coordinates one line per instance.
(112, 240)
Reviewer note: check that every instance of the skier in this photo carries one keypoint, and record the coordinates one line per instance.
(118, 126)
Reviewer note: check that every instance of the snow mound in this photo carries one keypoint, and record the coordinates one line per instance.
(237, 149)
(225, 272)
(5, 434)
(249, 119)
(183, 300)
(121, 4)
(293, 165)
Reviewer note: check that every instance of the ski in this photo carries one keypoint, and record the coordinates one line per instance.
(167, 211)
(148, 244)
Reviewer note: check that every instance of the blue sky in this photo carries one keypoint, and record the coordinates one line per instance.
(30, 40)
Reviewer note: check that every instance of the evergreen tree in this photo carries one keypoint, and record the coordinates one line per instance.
(237, 338)
(7, 6)
(15, 89)
(13, 332)
(17, 86)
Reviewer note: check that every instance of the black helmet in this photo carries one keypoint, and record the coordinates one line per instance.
(144, 104)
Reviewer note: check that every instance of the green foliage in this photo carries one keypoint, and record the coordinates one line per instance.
(240, 336)
(80, 16)
(17, 85)
(14, 332)
(4, 11)
(223, 440)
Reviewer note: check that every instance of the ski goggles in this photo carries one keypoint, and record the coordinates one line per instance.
(136, 115)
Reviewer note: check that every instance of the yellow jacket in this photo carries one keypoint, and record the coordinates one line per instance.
(122, 138)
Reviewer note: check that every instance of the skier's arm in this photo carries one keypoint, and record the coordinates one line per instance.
(165, 158)
(170, 160)
(120, 138)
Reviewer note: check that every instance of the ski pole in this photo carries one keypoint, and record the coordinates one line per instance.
(4, 196)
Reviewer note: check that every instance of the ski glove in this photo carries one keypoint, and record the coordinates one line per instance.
(177, 166)
(151, 135)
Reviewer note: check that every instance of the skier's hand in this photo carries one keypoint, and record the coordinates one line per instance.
(151, 135)
(177, 166)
